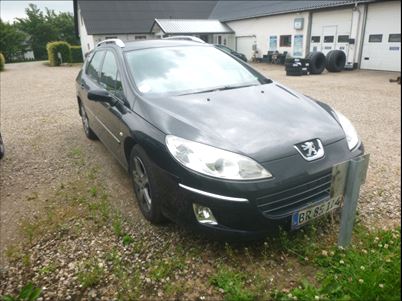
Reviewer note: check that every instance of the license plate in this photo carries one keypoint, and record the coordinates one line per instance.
(305, 215)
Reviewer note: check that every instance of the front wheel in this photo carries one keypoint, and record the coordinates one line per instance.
(145, 188)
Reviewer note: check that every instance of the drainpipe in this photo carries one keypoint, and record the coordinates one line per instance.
(308, 33)
(362, 34)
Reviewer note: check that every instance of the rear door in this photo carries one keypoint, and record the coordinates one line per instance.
(111, 116)
(90, 81)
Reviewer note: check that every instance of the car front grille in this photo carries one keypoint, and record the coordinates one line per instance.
(284, 202)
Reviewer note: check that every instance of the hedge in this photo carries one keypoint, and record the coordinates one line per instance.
(55, 47)
(2, 62)
(76, 54)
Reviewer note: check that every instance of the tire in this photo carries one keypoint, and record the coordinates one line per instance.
(146, 189)
(317, 62)
(85, 123)
(335, 60)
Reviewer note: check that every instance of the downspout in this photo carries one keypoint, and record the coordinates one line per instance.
(363, 34)
(308, 33)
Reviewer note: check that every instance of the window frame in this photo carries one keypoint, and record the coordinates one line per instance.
(394, 34)
(332, 40)
(375, 35)
(95, 80)
(312, 39)
(282, 40)
(343, 36)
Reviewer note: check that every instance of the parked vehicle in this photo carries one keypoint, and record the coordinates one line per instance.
(2, 150)
(209, 142)
(232, 52)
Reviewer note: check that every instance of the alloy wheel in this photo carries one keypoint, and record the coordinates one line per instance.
(141, 184)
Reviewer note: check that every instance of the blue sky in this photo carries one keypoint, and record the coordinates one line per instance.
(16, 9)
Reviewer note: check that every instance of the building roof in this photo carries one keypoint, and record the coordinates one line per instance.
(119, 17)
(235, 10)
(123, 17)
(181, 26)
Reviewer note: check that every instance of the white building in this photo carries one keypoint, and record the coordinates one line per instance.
(369, 31)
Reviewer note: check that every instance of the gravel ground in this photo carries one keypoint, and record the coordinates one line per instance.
(54, 224)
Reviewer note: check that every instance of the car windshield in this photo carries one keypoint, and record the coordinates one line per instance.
(186, 70)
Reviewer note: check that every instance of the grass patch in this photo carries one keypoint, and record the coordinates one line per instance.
(233, 284)
(28, 293)
(164, 268)
(90, 273)
(369, 270)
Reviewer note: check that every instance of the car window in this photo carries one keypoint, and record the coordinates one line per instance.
(94, 65)
(186, 69)
(109, 72)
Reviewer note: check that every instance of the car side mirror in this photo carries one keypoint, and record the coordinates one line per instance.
(100, 95)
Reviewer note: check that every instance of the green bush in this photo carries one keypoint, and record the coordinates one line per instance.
(2, 62)
(76, 54)
(58, 47)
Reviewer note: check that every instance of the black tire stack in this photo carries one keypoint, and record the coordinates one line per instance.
(297, 67)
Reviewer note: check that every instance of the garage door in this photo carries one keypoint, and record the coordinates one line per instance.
(245, 45)
(382, 39)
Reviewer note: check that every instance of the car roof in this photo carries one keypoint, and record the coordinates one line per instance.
(143, 44)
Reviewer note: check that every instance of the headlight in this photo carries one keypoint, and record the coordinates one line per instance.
(350, 132)
(213, 161)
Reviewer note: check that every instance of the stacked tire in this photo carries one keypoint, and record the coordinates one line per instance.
(296, 67)
(335, 60)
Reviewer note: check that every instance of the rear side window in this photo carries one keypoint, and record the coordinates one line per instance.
(94, 66)
(109, 72)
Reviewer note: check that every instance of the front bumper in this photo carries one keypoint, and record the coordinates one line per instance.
(252, 209)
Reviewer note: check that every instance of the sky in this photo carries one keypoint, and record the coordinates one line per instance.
(16, 9)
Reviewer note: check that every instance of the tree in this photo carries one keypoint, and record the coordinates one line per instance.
(63, 23)
(12, 40)
(39, 30)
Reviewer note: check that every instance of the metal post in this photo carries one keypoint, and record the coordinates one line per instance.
(356, 176)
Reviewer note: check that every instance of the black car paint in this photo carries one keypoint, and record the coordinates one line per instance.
(136, 119)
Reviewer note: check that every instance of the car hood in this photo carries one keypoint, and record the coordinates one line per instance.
(262, 122)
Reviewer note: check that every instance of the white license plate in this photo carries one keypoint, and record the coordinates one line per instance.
(305, 215)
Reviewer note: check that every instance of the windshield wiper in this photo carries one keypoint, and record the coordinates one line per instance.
(220, 89)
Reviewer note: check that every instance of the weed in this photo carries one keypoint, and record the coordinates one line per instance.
(117, 225)
(164, 268)
(90, 273)
(233, 284)
(127, 240)
(28, 293)
(93, 191)
(370, 271)
(48, 269)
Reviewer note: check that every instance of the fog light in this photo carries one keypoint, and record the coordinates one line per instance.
(204, 215)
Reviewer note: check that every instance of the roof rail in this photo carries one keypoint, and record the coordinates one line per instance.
(118, 42)
(185, 38)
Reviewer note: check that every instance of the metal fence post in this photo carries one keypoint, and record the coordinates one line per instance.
(356, 176)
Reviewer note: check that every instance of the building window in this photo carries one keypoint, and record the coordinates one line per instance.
(219, 40)
(285, 41)
(140, 37)
(328, 39)
(315, 39)
(375, 38)
(113, 37)
(394, 38)
(343, 39)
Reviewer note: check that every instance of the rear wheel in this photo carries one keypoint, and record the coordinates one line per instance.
(145, 187)
(85, 124)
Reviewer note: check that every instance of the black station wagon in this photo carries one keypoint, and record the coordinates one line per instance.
(209, 142)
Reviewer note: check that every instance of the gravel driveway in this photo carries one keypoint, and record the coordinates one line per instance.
(46, 150)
